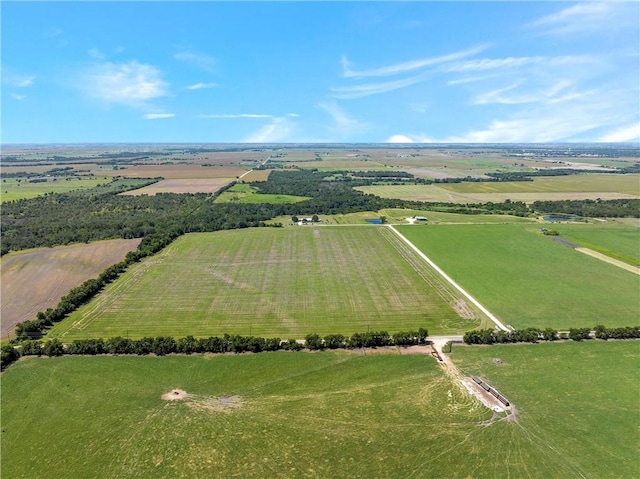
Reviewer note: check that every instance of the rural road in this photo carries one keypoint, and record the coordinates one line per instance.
(474, 301)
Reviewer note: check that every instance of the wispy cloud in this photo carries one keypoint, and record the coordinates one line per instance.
(358, 91)
(130, 83)
(201, 85)
(16, 80)
(405, 67)
(200, 60)
(343, 124)
(237, 115)
(18, 97)
(587, 17)
(158, 116)
(280, 129)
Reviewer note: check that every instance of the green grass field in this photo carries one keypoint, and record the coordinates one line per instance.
(585, 186)
(576, 401)
(274, 282)
(14, 190)
(526, 279)
(619, 242)
(307, 415)
(243, 193)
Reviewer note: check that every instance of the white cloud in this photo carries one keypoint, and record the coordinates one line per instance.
(399, 139)
(627, 133)
(492, 63)
(130, 83)
(15, 96)
(201, 85)
(95, 53)
(293, 115)
(406, 66)
(237, 115)
(201, 60)
(158, 116)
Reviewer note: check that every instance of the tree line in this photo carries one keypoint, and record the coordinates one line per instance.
(533, 335)
(163, 345)
(618, 208)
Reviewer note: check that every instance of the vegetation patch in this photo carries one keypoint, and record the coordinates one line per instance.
(23, 188)
(526, 280)
(199, 185)
(244, 193)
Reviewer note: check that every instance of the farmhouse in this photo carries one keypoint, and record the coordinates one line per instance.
(417, 219)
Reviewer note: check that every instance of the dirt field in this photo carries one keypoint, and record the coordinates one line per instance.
(175, 172)
(35, 280)
(209, 185)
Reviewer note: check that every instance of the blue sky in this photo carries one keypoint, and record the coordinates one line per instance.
(75, 72)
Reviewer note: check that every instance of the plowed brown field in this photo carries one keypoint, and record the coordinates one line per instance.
(36, 279)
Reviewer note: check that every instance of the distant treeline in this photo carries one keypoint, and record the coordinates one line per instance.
(618, 208)
(163, 345)
(533, 335)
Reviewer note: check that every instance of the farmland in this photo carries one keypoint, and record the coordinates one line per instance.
(526, 279)
(243, 193)
(34, 280)
(274, 282)
(17, 189)
(304, 415)
(577, 401)
(585, 186)
(198, 185)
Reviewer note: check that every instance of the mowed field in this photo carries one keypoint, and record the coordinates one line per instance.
(285, 282)
(576, 401)
(34, 280)
(330, 414)
(527, 279)
(576, 187)
(617, 241)
(243, 193)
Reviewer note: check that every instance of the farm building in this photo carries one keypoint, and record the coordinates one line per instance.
(417, 219)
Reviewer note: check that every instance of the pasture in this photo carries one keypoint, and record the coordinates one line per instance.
(575, 187)
(34, 280)
(527, 279)
(619, 242)
(18, 189)
(271, 282)
(243, 193)
(576, 401)
(329, 414)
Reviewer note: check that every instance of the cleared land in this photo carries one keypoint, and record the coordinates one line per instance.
(298, 415)
(576, 401)
(14, 189)
(243, 193)
(35, 280)
(209, 185)
(177, 172)
(576, 187)
(275, 282)
(526, 279)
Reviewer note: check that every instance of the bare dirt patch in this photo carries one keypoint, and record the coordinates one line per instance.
(34, 280)
(184, 172)
(462, 308)
(175, 395)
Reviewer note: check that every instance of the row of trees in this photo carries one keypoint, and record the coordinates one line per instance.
(163, 345)
(370, 339)
(619, 208)
(533, 335)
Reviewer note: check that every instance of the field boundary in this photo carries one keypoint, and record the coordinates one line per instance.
(608, 259)
(474, 301)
